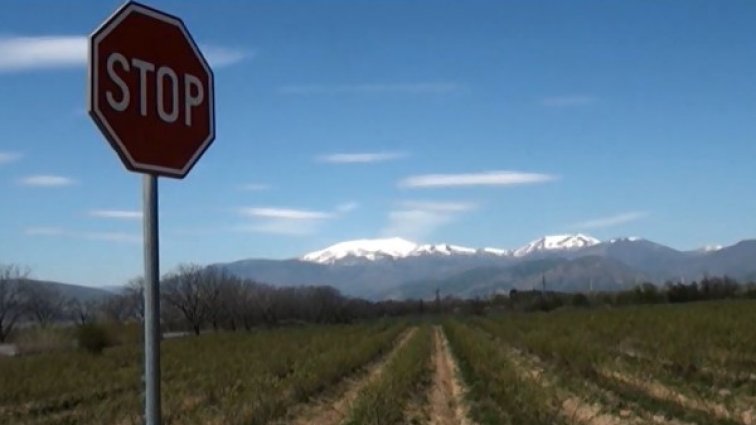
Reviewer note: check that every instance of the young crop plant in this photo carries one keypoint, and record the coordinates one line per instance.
(227, 378)
(384, 401)
(498, 393)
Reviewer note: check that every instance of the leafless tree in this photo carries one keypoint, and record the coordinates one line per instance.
(134, 294)
(43, 303)
(11, 305)
(193, 292)
(82, 312)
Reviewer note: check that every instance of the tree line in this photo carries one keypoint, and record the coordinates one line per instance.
(196, 298)
(193, 298)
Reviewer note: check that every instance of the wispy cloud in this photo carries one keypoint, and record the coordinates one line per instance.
(46, 181)
(8, 157)
(347, 207)
(282, 221)
(284, 213)
(55, 51)
(281, 227)
(118, 237)
(373, 88)
(220, 56)
(116, 214)
(66, 51)
(567, 101)
(44, 231)
(614, 220)
(360, 158)
(490, 178)
(417, 220)
(289, 221)
(255, 187)
(438, 206)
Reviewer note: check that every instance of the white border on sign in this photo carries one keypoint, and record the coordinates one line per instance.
(93, 99)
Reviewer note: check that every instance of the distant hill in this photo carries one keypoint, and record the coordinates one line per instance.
(395, 268)
(78, 292)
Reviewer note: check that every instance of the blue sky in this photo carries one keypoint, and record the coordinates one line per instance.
(482, 123)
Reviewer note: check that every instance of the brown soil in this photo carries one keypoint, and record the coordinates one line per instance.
(660, 391)
(573, 407)
(334, 408)
(446, 404)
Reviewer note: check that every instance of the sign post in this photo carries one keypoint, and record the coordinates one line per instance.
(151, 300)
(151, 94)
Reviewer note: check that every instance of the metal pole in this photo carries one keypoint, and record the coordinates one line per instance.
(151, 301)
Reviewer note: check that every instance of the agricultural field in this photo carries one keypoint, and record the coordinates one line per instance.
(691, 364)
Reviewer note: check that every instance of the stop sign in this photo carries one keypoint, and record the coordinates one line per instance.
(151, 91)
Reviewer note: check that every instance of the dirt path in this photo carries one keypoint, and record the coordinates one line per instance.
(333, 409)
(446, 404)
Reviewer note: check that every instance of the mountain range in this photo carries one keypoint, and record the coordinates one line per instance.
(398, 268)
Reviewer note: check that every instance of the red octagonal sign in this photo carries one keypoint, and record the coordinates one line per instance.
(151, 91)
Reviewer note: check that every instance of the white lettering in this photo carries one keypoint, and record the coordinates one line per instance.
(192, 100)
(124, 103)
(144, 67)
(163, 72)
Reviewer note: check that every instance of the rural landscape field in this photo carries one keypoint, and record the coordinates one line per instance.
(662, 364)
(344, 212)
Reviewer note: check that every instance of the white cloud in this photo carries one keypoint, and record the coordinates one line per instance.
(567, 101)
(282, 227)
(255, 187)
(287, 221)
(284, 213)
(46, 181)
(347, 207)
(438, 206)
(44, 231)
(417, 220)
(117, 214)
(373, 88)
(611, 221)
(22, 53)
(8, 157)
(220, 57)
(491, 178)
(360, 158)
(66, 51)
(118, 237)
(414, 224)
(112, 237)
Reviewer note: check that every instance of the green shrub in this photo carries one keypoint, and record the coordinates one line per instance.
(93, 338)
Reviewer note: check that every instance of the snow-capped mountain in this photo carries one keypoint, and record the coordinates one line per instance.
(360, 268)
(375, 249)
(442, 249)
(556, 243)
(370, 249)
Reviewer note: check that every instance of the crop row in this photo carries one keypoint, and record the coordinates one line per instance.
(226, 377)
(385, 401)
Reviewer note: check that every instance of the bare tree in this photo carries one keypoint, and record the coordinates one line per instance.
(192, 291)
(134, 294)
(82, 312)
(43, 303)
(11, 305)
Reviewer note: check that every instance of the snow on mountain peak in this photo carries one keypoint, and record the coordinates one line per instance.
(370, 249)
(710, 248)
(442, 249)
(556, 243)
(626, 239)
(374, 249)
